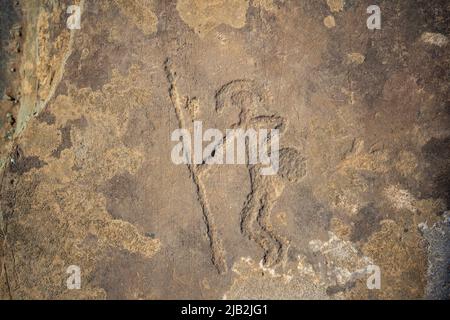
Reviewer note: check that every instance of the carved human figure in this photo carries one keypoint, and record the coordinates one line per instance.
(246, 98)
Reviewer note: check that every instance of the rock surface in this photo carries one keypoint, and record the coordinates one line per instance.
(87, 178)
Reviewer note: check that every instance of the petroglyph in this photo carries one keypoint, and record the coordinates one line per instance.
(238, 93)
(246, 97)
(362, 160)
(217, 251)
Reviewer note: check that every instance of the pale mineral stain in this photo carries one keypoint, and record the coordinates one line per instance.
(253, 281)
(342, 256)
(205, 15)
(329, 22)
(267, 5)
(400, 198)
(341, 229)
(336, 5)
(124, 235)
(360, 159)
(396, 258)
(44, 60)
(344, 264)
(436, 39)
(356, 58)
(67, 190)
